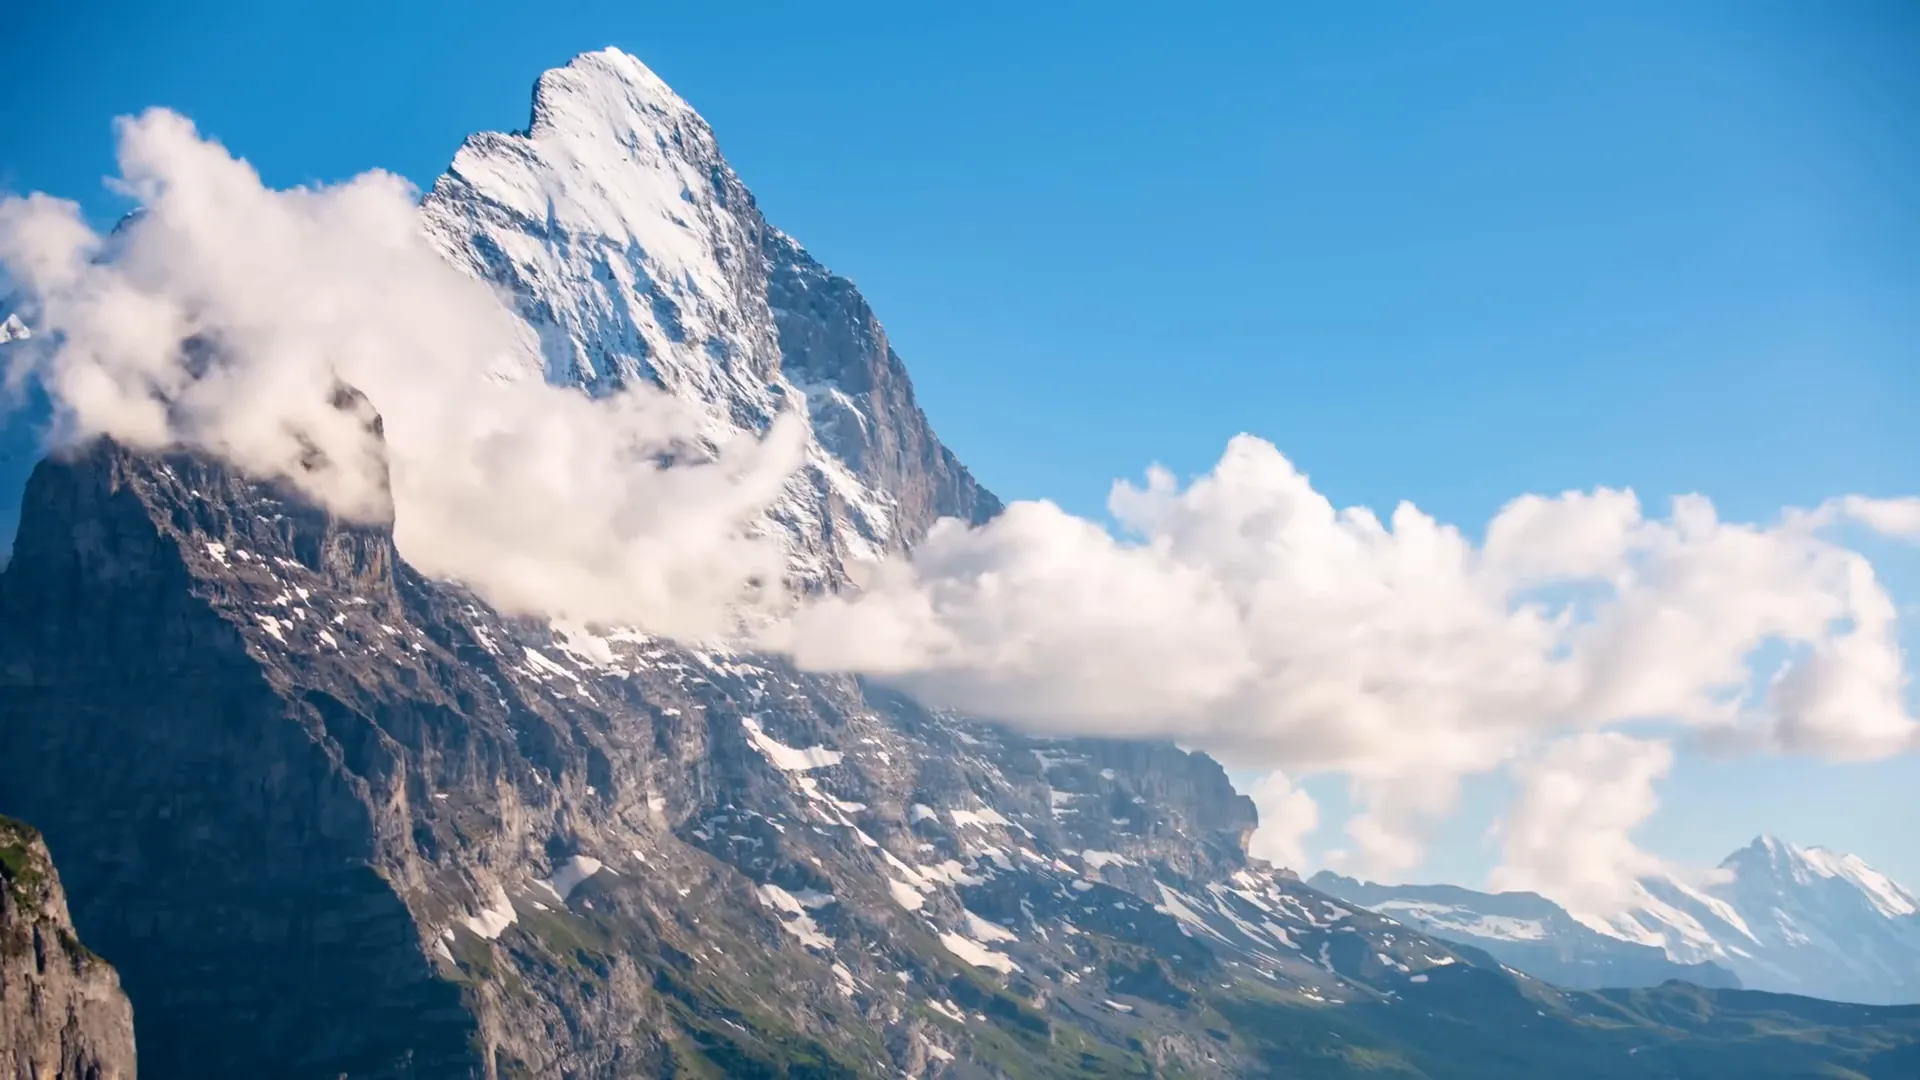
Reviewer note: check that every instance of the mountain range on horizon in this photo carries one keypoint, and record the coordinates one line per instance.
(329, 816)
(1772, 916)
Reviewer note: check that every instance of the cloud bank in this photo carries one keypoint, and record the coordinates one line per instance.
(1244, 614)
(1240, 613)
(226, 316)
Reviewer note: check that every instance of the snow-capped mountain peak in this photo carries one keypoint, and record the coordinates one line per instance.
(1777, 916)
(1784, 864)
(618, 190)
(636, 255)
(12, 329)
(605, 74)
(1785, 918)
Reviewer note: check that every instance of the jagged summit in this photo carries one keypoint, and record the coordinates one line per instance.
(614, 158)
(636, 254)
(1769, 848)
(616, 82)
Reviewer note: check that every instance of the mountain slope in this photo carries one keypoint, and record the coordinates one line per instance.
(333, 818)
(388, 832)
(61, 1010)
(1788, 919)
(1526, 931)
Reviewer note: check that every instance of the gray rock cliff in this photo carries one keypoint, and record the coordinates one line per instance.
(62, 1014)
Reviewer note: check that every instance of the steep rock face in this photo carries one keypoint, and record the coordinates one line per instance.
(1526, 931)
(230, 837)
(62, 1014)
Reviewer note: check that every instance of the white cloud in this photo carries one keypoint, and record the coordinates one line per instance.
(1899, 518)
(1845, 698)
(1244, 614)
(1288, 816)
(1569, 833)
(225, 316)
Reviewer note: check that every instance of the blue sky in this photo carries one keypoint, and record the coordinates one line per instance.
(1440, 253)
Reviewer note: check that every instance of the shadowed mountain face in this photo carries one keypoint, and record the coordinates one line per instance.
(331, 818)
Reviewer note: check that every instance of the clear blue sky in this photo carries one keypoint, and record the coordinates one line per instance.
(1448, 253)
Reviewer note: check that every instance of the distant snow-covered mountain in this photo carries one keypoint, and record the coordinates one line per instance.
(1527, 932)
(1777, 917)
(1789, 919)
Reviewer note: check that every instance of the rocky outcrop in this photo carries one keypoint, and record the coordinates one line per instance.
(62, 1015)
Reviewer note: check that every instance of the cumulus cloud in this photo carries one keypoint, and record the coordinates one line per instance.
(227, 317)
(1245, 614)
(1569, 833)
(1288, 816)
